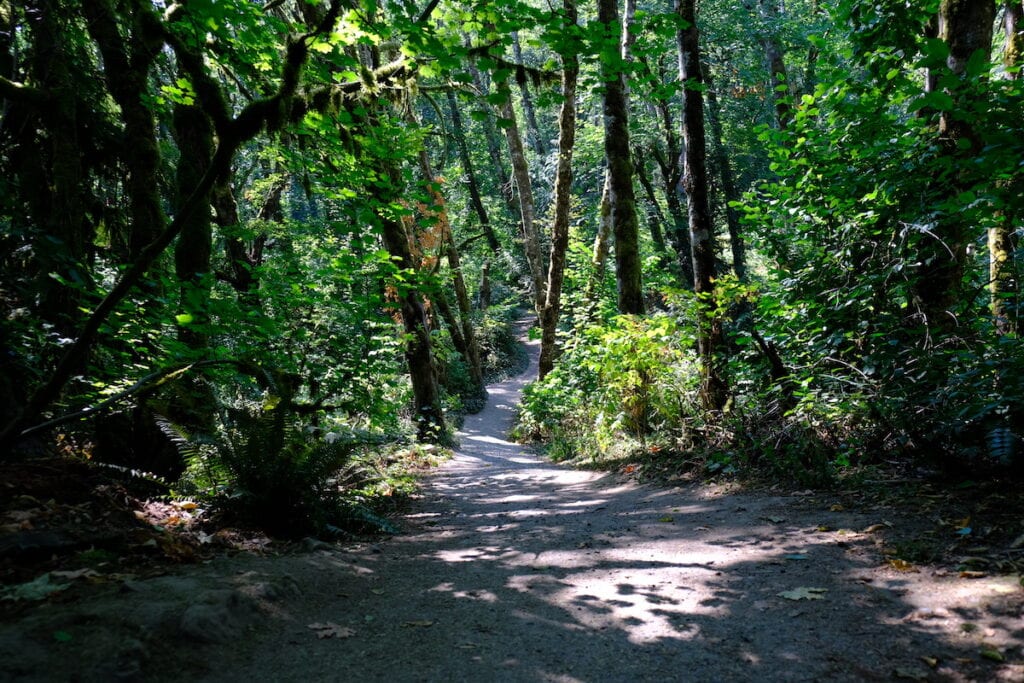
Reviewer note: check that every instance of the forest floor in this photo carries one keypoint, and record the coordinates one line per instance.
(515, 569)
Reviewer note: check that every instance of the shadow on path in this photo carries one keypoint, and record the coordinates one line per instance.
(516, 569)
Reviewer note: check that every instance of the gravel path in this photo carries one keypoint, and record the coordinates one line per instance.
(515, 569)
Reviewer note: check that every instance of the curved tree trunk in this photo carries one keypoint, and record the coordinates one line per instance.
(493, 140)
(524, 189)
(419, 357)
(529, 111)
(476, 201)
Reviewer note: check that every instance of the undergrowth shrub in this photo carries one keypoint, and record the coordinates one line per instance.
(620, 382)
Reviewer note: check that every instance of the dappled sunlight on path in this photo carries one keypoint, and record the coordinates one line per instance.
(514, 568)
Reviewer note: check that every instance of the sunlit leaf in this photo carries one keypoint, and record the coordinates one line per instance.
(804, 593)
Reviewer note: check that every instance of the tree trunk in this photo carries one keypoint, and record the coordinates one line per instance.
(1004, 282)
(620, 170)
(194, 137)
(524, 189)
(670, 168)
(782, 91)
(59, 202)
(419, 357)
(529, 111)
(494, 143)
(470, 348)
(655, 217)
(243, 259)
(713, 390)
(729, 192)
(966, 27)
(126, 66)
(602, 241)
(485, 286)
(476, 201)
(563, 195)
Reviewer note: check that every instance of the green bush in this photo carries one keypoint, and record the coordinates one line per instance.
(618, 383)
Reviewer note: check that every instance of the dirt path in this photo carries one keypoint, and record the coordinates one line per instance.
(515, 569)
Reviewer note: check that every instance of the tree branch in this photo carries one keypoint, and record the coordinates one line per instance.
(19, 92)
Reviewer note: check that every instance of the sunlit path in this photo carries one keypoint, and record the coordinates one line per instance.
(516, 569)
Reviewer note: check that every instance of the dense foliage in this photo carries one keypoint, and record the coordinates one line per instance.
(307, 225)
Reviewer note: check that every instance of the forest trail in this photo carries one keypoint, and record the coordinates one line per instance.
(511, 568)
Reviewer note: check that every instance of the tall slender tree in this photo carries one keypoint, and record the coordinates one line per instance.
(966, 26)
(622, 200)
(713, 390)
(1004, 280)
(563, 195)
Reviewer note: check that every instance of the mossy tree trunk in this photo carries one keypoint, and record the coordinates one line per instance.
(622, 200)
(563, 196)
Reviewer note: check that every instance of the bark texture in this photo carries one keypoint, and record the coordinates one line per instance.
(1004, 278)
(625, 225)
(524, 190)
(966, 27)
(563, 195)
(713, 391)
(475, 198)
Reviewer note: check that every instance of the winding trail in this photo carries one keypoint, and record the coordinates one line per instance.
(515, 569)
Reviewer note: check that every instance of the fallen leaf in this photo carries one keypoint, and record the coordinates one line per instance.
(836, 508)
(901, 565)
(377, 591)
(824, 527)
(993, 655)
(933, 662)
(62, 636)
(972, 575)
(423, 623)
(666, 518)
(329, 629)
(804, 593)
(876, 527)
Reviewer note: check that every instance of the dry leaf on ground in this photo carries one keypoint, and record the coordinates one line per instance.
(804, 593)
(329, 629)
